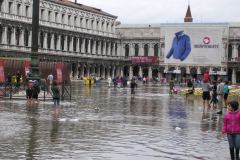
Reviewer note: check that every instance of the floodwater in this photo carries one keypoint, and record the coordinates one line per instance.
(102, 123)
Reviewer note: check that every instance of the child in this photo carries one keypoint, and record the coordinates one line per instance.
(232, 128)
(214, 99)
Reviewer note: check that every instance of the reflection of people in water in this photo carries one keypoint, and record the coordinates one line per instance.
(55, 123)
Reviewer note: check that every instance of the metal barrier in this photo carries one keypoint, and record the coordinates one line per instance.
(18, 91)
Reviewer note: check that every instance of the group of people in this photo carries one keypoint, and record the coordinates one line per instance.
(220, 91)
(34, 88)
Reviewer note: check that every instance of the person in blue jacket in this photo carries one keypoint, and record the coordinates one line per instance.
(181, 46)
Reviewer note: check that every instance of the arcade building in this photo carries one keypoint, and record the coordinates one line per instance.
(92, 41)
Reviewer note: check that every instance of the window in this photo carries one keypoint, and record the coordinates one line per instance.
(86, 23)
(239, 51)
(49, 16)
(17, 36)
(97, 27)
(56, 17)
(9, 35)
(26, 36)
(62, 42)
(116, 50)
(55, 41)
(126, 50)
(102, 26)
(48, 41)
(41, 40)
(75, 21)
(1, 5)
(156, 50)
(27, 11)
(10, 7)
(136, 47)
(1, 33)
(69, 20)
(146, 50)
(63, 16)
(81, 19)
(92, 24)
(42, 12)
(18, 9)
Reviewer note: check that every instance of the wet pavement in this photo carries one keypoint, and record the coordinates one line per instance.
(104, 123)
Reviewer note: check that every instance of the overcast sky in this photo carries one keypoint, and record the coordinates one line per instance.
(162, 11)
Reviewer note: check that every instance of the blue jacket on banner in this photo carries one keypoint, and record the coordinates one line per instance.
(181, 46)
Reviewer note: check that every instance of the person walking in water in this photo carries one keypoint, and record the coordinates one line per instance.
(206, 93)
(171, 86)
(55, 93)
(232, 129)
(220, 93)
(226, 92)
(133, 84)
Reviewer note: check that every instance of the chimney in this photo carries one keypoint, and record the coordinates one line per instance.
(188, 17)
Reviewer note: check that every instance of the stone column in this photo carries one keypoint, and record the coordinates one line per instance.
(113, 71)
(21, 38)
(141, 51)
(52, 41)
(45, 40)
(103, 72)
(150, 72)
(198, 70)
(30, 39)
(94, 47)
(4, 35)
(234, 51)
(82, 70)
(83, 45)
(109, 48)
(121, 71)
(130, 72)
(234, 79)
(13, 36)
(187, 70)
(108, 71)
(77, 45)
(89, 46)
(151, 50)
(131, 50)
(65, 43)
(113, 51)
(98, 71)
(140, 71)
(88, 70)
(76, 71)
(58, 42)
(99, 47)
(104, 48)
(71, 44)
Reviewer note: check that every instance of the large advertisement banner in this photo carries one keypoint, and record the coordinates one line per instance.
(194, 44)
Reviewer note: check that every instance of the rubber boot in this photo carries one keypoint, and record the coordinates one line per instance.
(237, 154)
(232, 153)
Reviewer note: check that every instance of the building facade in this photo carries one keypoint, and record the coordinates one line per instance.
(94, 42)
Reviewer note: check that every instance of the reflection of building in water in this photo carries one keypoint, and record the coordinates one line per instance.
(93, 42)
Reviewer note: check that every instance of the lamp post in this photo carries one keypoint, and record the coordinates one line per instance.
(34, 65)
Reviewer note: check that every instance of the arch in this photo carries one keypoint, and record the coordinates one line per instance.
(155, 73)
(156, 50)
(48, 40)
(26, 37)
(9, 35)
(146, 48)
(1, 31)
(86, 45)
(126, 50)
(62, 42)
(125, 71)
(229, 51)
(136, 71)
(55, 41)
(136, 49)
(145, 72)
(183, 72)
(41, 39)
(193, 72)
(18, 36)
(239, 51)
(116, 46)
(91, 46)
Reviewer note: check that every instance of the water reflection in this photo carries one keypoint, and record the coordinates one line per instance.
(151, 125)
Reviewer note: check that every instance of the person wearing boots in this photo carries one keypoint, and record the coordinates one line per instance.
(232, 129)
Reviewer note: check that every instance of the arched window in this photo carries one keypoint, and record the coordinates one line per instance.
(86, 45)
(48, 40)
(41, 40)
(146, 50)
(126, 50)
(136, 48)
(1, 33)
(26, 37)
(74, 44)
(116, 46)
(156, 50)
(62, 42)
(9, 35)
(238, 51)
(229, 51)
(17, 36)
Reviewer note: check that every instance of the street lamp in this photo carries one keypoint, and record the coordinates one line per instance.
(34, 65)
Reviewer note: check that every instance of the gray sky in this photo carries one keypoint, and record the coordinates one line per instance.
(162, 11)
